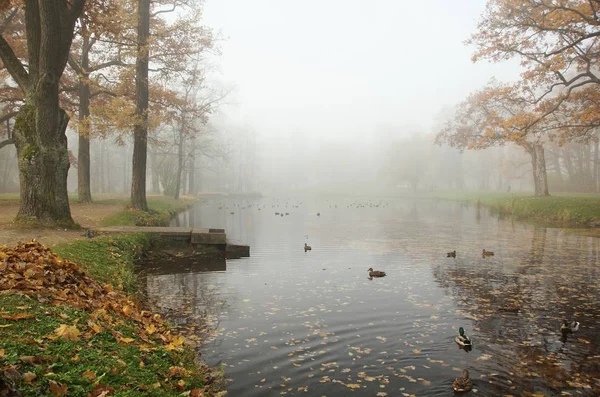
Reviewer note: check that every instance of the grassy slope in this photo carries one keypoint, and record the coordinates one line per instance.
(162, 209)
(131, 371)
(560, 210)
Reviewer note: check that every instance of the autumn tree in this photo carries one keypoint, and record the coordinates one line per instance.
(39, 131)
(180, 41)
(497, 115)
(558, 45)
(103, 33)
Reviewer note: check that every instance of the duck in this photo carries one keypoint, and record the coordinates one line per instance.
(89, 233)
(307, 247)
(318, 214)
(375, 273)
(462, 339)
(451, 254)
(487, 253)
(569, 327)
(463, 383)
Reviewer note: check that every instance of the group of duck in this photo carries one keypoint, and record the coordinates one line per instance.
(484, 254)
(463, 383)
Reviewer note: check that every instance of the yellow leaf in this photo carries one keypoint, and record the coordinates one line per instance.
(353, 386)
(29, 377)
(126, 340)
(150, 329)
(127, 310)
(416, 351)
(2, 353)
(67, 332)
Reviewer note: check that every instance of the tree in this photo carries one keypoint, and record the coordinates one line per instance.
(140, 129)
(39, 132)
(558, 44)
(497, 115)
(105, 26)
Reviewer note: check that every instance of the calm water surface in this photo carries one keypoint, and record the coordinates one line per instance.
(286, 322)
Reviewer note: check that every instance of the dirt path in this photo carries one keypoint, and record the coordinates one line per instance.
(87, 215)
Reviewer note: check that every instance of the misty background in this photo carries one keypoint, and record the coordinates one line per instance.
(333, 97)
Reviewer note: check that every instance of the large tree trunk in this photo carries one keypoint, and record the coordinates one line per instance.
(140, 130)
(43, 157)
(83, 156)
(39, 132)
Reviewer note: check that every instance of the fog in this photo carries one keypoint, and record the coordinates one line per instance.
(341, 97)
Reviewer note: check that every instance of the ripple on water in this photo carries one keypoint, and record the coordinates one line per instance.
(286, 321)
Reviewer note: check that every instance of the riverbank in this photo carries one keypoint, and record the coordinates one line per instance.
(73, 321)
(104, 211)
(563, 211)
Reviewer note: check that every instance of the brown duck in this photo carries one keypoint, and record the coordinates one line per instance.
(451, 254)
(375, 273)
(307, 247)
(463, 383)
(487, 253)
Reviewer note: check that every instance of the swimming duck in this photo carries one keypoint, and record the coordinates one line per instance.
(307, 247)
(318, 214)
(463, 383)
(462, 339)
(375, 273)
(569, 327)
(451, 254)
(487, 253)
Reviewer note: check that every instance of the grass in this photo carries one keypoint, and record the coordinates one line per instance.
(560, 210)
(108, 259)
(87, 362)
(100, 361)
(161, 211)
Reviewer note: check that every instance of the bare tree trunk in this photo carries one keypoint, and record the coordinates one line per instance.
(192, 172)
(83, 155)
(538, 163)
(155, 173)
(140, 130)
(596, 167)
(180, 154)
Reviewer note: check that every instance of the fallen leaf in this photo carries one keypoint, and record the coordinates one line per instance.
(67, 332)
(126, 340)
(89, 375)
(29, 377)
(18, 316)
(57, 389)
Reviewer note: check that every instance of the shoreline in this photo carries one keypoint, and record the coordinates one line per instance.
(99, 333)
(572, 213)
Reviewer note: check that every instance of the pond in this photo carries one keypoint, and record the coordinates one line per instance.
(290, 322)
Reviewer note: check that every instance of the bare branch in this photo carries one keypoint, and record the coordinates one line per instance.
(13, 65)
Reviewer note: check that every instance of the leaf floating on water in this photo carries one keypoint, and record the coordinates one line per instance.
(484, 357)
(416, 351)
(353, 386)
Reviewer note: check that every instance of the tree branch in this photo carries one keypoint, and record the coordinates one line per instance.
(13, 64)
(116, 62)
(8, 116)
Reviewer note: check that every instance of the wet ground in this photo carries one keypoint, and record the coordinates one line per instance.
(290, 322)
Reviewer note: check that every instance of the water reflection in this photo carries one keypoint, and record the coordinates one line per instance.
(285, 320)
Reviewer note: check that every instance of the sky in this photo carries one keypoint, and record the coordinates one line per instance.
(320, 70)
